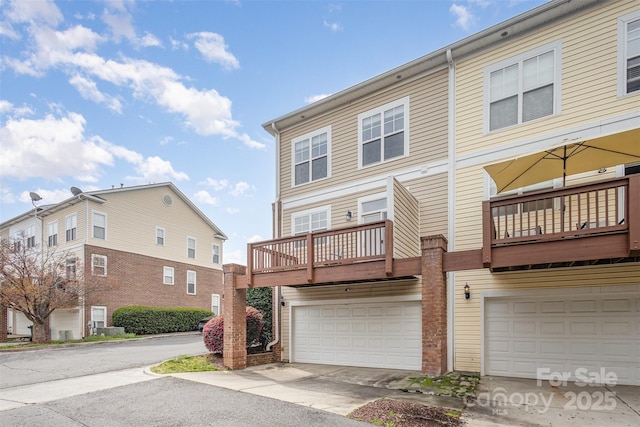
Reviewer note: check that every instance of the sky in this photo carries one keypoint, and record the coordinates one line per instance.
(95, 94)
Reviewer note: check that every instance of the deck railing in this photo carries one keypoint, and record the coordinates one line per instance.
(365, 242)
(576, 211)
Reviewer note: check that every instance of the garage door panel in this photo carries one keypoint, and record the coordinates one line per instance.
(373, 335)
(563, 334)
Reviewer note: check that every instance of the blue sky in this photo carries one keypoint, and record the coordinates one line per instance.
(102, 93)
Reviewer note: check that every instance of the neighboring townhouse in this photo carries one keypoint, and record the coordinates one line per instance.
(392, 247)
(142, 245)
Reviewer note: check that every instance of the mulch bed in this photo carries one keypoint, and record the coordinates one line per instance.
(403, 413)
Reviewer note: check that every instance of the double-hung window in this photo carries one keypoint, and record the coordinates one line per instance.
(71, 224)
(215, 249)
(99, 225)
(215, 304)
(523, 88)
(52, 239)
(30, 236)
(383, 133)
(167, 275)
(310, 221)
(311, 156)
(191, 248)
(70, 267)
(98, 265)
(191, 282)
(159, 236)
(373, 209)
(629, 54)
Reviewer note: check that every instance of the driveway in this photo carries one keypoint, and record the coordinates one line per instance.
(500, 402)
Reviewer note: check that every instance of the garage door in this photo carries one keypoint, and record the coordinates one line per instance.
(563, 334)
(382, 335)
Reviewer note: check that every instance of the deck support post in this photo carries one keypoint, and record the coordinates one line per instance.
(235, 317)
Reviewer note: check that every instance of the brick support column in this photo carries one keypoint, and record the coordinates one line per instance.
(434, 306)
(3, 323)
(235, 318)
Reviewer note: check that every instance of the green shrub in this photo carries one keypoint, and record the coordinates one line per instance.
(142, 320)
(261, 299)
(213, 331)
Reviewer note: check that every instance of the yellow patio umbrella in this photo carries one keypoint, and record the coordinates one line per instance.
(569, 158)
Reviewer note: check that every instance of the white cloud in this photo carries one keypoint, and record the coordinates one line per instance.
(232, 211)
(333, 26)
(89, 90)
(216, 184)
(155, 169)
(48, 196)
(213, 49)
(203, 196)
(240, 189)
(44, 11)
(234, 257)
(178, 44)
(120, 25)
(149, 40)
(9, 110)
(313, 98)
(255, 238)
(6, 196)
(464, 17)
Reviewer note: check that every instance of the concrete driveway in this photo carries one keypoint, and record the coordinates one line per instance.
(500, 402)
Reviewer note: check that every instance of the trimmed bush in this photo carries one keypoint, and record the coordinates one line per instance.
(141, 320)
(213, 331)
(261, 299)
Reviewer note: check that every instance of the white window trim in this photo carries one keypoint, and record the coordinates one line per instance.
(622, 53)
(403, 101)
(195, 247)
(165, 269)
(214, 245)
(369, 198)
(164, 236)
(67, 229)
(93, 258)
(309, 136)
(216, 298)
(93, 213)
(309, 212)
(104, 310)
(195, 281)
(49, 235)
(556, 47)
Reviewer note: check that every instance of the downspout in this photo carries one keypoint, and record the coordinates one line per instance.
(83, 316)
(451, 195)
(277, 233)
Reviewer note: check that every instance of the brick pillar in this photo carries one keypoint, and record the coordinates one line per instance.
(3, 323)
(434, 306)
(235, 317)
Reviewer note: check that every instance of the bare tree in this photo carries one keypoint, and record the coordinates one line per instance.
(36, 282)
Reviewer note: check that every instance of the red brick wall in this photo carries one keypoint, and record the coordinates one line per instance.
(134, 279)
(3, 323)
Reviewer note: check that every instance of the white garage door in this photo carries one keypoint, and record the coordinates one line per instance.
(377, 335)
(564, 334)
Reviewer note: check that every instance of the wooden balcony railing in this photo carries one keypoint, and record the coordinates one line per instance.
(597, 209)
(366, 242)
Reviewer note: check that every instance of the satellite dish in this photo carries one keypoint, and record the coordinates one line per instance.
(34, 196)
(76, 191)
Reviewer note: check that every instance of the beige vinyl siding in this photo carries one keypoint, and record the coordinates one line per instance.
(406, 222)
(589, 79)
(81, 230)
(467, 324)
(427, 129)
(332, 293)
(431, 193)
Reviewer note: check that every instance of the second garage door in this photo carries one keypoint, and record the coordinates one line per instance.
(377, 335)
(563, 334)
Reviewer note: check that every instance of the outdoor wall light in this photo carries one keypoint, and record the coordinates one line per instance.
(349, 216)
(467, 291)
(282, 301)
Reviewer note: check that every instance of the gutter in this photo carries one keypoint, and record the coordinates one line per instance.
(276, 233)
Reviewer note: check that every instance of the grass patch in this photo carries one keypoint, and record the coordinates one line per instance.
(92, 338)
(185, 364)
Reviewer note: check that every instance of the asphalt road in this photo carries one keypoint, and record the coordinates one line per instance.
(160, 401)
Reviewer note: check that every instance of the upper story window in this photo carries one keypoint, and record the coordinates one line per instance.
(311, 156)
(629, 53)
(71, 225)
(215, 249)
(98, 265)
(30, 236)
(70, 268)
(311, 220)
(191, 282)
(191, 248)
(159, 236)
(52, 233)
(383, 133)
(215, 304)
(99, 225)
(523, 88)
